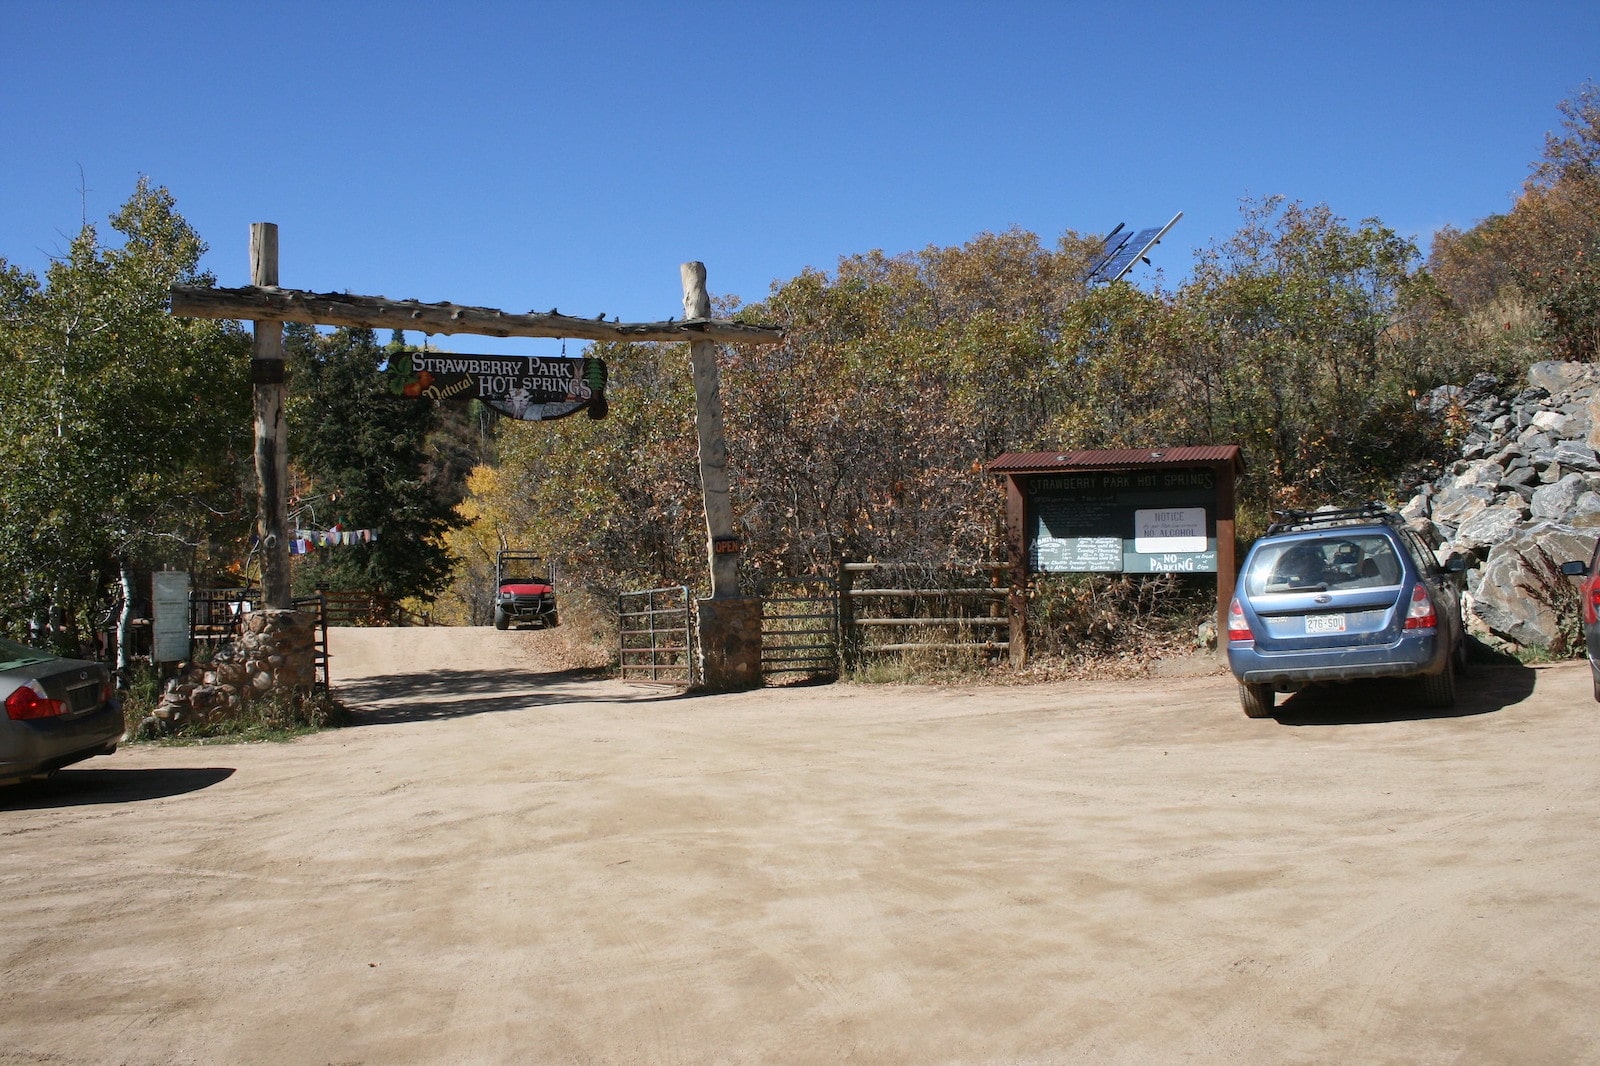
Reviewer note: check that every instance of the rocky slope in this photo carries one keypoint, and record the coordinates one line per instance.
(1523, 498)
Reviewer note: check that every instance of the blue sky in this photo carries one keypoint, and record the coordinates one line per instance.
(535, 155)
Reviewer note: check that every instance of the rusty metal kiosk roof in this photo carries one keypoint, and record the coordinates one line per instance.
(1118, 459)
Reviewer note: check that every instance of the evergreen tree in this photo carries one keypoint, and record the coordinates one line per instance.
(362, 455)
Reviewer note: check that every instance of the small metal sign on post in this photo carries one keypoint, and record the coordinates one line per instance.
(169, 623)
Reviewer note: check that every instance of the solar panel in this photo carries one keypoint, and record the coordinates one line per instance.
(1129, 251)
(1109, 247)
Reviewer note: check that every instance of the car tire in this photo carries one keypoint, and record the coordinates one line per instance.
(1439, 690)
(1257, 700)
(501, 619)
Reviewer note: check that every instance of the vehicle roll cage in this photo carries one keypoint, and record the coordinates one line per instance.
(1372, 511)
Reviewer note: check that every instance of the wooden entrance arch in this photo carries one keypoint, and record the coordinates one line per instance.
(268, 306)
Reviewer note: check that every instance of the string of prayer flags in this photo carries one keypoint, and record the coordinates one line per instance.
(307, 540)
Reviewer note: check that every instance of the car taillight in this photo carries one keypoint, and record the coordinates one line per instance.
(1421, 614)
(1591, 599)
(30, 701)
(1238, 627)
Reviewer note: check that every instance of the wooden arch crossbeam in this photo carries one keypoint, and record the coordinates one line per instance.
(264, 303)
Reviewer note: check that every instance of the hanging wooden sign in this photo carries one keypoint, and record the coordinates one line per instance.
(532, 388)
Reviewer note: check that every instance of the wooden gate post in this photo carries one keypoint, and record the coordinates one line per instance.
(729, 625)
(267, 380)
(724, 563)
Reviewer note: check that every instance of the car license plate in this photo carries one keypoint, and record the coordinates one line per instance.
(1324, 623)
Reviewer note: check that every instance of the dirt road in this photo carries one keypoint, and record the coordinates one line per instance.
(508, 866)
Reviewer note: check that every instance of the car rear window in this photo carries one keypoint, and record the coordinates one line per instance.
(14, 656)
(1353, 560)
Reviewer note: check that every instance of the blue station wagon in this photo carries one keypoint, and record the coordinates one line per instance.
(1339, 595)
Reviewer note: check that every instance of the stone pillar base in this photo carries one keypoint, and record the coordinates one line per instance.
(275, 651)
(730, 644)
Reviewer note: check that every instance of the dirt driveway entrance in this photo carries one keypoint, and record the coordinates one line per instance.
(522, 867)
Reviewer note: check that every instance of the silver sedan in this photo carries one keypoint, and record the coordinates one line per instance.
(57, 712)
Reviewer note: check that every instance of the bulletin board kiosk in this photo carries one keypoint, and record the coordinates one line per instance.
(1130, 511)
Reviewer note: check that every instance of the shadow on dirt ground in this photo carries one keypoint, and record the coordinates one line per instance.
(444, 694)
(1480, 690)
(82, 787)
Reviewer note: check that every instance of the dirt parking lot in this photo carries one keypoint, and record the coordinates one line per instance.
(508, 865)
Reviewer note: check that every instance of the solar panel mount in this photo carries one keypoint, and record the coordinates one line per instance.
(1123, 250)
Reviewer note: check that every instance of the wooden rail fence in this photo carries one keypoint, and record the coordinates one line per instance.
(908, 607)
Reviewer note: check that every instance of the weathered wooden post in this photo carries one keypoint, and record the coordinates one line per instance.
(267, 380)
(721, 542)
(729, 624)
(849, 647)
(1017, 551)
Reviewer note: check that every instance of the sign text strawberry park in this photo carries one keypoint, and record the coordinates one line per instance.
(531, 388)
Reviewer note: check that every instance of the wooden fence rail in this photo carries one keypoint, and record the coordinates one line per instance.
(942, 606)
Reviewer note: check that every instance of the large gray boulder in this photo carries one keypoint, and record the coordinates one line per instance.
(1490, 526)
(1560, 500)
(1520, 595)
(1523, 498)
(1559, 378)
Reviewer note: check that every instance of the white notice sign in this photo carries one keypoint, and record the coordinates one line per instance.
(1169, 529)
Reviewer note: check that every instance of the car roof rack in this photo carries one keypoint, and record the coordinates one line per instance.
(1371, 511)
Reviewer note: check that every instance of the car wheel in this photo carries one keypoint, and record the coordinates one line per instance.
(550, 621)
(1257, 700)
(501, 619)
(1439, 690)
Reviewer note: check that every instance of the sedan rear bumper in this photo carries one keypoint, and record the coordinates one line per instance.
(38, 747)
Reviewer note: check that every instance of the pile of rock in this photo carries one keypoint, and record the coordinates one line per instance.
(276, 650)
(1523, 498)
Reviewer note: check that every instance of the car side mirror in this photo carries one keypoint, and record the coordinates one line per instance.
(1455, 563)
(1575, 569)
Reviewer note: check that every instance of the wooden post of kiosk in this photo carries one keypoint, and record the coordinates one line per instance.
(267, 380)
(1017, 550)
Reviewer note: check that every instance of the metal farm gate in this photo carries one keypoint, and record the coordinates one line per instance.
(800, 629)
(655, 628)
(216, 619)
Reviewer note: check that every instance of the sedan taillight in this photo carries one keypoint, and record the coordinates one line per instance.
(1421, 614)
(1591, 599)
(1238, 626)
(30, 701)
